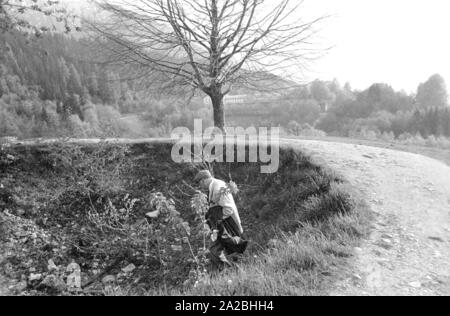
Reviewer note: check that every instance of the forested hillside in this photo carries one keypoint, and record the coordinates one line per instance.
(51, 86)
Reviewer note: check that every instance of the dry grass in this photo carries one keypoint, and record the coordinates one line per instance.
(303, 221)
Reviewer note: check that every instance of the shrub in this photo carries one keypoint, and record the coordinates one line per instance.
(8, 124)
(388, 137)
(431, 141)
(6, 158)
(417, 140)
(337, 201)
(92, 175)
(177, 246)
(90, 117)
(77, 127)
(443, 142)
(304, 130)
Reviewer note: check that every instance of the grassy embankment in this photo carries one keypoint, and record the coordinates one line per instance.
(303, 221)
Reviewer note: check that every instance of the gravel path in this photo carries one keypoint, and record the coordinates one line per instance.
(408, 252)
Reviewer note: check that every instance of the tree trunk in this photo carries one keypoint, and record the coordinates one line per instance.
(219, 110)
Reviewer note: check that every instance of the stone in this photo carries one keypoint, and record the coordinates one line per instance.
(437, 239)
(53, 284)
(35, 277)
(129, 269)
(74, 280)
(357, 277)
(385, 244)
(73, 267)
(20, 287)
(51, 266)
(177, 248)
(153, 215)
(377, 253)
(74, 277)
(109, 279)
(121, 276)
(416, 285)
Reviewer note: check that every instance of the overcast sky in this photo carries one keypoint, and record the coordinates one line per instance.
(399, 42)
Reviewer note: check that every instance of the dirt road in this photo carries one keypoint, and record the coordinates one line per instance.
(408, 252)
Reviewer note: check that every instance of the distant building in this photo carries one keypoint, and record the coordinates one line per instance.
(250, 109)
(229, 99)
(235, 99)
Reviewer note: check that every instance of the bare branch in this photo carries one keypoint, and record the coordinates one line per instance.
(207, 44)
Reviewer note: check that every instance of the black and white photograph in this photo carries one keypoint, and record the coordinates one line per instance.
(221, 155)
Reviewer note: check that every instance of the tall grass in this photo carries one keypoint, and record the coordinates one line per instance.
(296, 264)
(309, 223)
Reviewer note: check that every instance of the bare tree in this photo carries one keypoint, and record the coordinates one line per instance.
(209, 45)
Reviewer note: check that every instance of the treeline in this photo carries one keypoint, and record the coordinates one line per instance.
(427, 122)
(380, 109)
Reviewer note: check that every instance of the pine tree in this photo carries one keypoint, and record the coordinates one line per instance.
(109, 88)
(4, 89)
(443, 122)
(85, 97)
(416, 124)
(93, 84)
(74, 85)
(435, 122)
(73, 105)
(64, 74)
